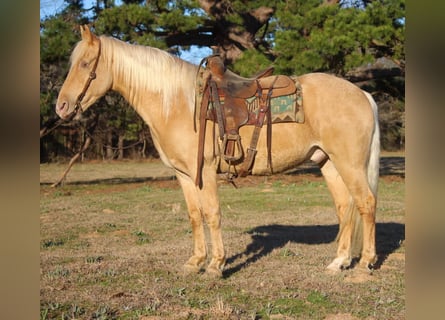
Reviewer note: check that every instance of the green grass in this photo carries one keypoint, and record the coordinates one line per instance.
(115, 251)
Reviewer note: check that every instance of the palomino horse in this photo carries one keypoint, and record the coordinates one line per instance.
(340, 133)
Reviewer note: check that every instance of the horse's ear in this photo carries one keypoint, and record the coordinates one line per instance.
(86, 33)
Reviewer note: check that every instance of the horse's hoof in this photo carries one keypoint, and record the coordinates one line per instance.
(365, 267)
(367, 264)
(194, 265)
(191, 269)
(333, 269)
(213, 272)
(338, 265)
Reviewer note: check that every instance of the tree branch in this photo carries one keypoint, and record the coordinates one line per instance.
(200, 37)
(50, 125)
(382, 68)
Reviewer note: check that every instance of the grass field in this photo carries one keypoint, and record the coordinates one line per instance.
(115, 236)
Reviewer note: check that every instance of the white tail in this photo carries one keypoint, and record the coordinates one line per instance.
(374, 157)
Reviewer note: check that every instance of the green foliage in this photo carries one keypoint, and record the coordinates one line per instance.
(177, 20)
(57, 39)
(251, 62)
(132, 1)
(149, 24)
(126, 22)
(331, 38)
(301, 36)
(142, 237)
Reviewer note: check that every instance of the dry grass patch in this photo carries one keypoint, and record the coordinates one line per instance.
(113, 250)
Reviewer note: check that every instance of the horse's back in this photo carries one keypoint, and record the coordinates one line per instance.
(330, 98)
(329, 86)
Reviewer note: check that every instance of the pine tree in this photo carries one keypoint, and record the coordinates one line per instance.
(361, 40)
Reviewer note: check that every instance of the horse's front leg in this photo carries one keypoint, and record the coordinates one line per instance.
(197, 260)
(211, 209)
(204, 203)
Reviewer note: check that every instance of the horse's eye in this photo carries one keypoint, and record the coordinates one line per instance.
(84, 64)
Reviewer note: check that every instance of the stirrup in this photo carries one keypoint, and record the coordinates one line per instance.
(237, 152)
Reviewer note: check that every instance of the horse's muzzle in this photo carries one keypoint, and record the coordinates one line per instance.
(64, 110)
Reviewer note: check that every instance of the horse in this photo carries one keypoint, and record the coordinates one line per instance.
(340, 133)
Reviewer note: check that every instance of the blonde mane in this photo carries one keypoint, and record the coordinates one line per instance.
(154, 70)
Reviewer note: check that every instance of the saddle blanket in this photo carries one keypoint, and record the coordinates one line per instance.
(283, 108)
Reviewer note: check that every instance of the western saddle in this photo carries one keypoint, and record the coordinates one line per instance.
(224, 97)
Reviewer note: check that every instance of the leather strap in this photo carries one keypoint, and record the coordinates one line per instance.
(251, 150)
(218, 108)
(201, 134)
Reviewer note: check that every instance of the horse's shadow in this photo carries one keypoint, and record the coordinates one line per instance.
(389, 166)
(267, 238)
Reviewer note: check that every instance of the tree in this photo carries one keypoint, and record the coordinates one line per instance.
(360, 40)
(56, 42)
(118, 125)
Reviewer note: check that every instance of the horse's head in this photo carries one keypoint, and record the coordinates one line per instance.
(88, 78)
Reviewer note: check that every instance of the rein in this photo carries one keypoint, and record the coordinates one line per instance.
(92, 76)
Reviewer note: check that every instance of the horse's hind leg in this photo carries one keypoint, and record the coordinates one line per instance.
(343, 205)
(356, 180)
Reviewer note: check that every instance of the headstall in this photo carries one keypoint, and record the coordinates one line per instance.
(92, 76)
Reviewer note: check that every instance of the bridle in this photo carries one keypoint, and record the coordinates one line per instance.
(92, 76)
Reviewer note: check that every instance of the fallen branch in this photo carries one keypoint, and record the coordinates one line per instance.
(89, 127)
(85, 146)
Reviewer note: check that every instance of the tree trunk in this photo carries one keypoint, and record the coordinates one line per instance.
(232, 39)
(144, 144)
(109, 145)
(120, 146)
(382, 68)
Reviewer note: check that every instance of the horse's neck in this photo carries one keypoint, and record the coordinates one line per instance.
(152, 81)
(127, 82)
